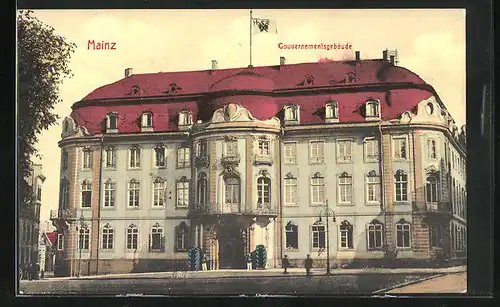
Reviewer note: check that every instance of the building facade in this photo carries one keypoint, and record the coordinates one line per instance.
(228, 159)
(29, 219)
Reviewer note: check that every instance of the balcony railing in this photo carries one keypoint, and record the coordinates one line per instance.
(202, 160)
(260, 209)
(262, 159)
(231, 159)
(64, 214)
(437, 207)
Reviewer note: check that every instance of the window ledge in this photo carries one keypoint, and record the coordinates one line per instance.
(316, 162)
(290, 163)
(344, 161)
(346, 249)
(402, 203)
(133, 168)
(291, 205)
(113, 208)
(400, 159)
(111, 168)
(372, 203)
(181, 208)
(345, 204)
(105, 250)
(289, 249)
(133, 208)
(85, 208)
(109, 130)
(331, 120)
(317, 205)
(156, 251)
(86, 169)
(147, 129)
(371, 160)
(157, 208)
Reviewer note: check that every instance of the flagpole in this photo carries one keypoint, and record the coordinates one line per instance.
(251, 37)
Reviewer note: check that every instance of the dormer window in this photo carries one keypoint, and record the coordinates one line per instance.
(331, 111)
(112, 123)
(185, 119)
(292, 113)
(372, 109)
(147, 120)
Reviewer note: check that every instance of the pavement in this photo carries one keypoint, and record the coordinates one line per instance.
(450, 283)
(257, 282)
(271, 272)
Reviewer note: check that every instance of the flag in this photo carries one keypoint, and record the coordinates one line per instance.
(264, 26)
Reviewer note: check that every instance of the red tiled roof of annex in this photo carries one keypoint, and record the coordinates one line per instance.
(52, 236)
(259, 89)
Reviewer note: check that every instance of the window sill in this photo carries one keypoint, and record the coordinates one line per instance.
(131, 251)
(290, 163)
(317, 249)
(345, 204)
(346, 249)
(156, 251)
(86, 169)
(133, 208)
(160, 167)
(372, 203)
(375, 250)
(112, 208)
(344, 161)
(181, 208)
(403, 248)
(317, 205)
(292, 250)
(316, 162)
(133, 168)
(85, 208)
(106, 250)
(402, 203)
(400, 159)
(110, 168)
(291, 205)
(371, 160)
(157, 208)
(181, 167)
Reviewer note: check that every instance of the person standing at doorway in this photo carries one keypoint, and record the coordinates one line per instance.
(308, 264)
(204, 262)
(249, 262)
(285, 264)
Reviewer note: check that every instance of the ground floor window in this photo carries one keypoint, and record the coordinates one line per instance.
(291, 236)
(403, 234)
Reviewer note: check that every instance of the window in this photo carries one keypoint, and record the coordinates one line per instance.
(160, 156)
(346, 231)
(109, 193)
(290, 191)
(317, 189)
(453, 197)
(231, 148)
(291, 236)
(345, 188)
(87, 158)
(147, 120)
(185, 118)
(133, 193)
(65, 126)
(435, 237)
(371, 150)
(183, 193)
(201, 148)
(263, 190)
(264, 147)
(107, 237)
(429, 108)
(372, 187)
(60, 241)
(86, 194)
(431, 149)
(292, 113)
(134, 157)
(202, 189)
(372, 109)
(65, 160)
(317, 151)
(158, 192)
(183, 155)
(110, 157)
(403, 234)
(112, 122)
(156, 239)
(132, 237)
(375, 231)
(431, 189)
(344, 151)
(181, 237)
(401, 183)
(84, 238)
(39, 193)
(64, 193)
(290, 150)
(318, 235)
(232, 190)
(331, 110)
(399, 144)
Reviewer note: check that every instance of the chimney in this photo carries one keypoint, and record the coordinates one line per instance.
(392, 59)
(215, 65)
(358, 56)
(128, 72)
(282, 61)
(384, 55)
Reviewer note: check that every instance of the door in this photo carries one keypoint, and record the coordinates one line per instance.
(231, 248)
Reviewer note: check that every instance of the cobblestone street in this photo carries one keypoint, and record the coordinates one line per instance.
(452, 283)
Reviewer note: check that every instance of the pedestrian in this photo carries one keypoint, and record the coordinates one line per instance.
(204, 262)
(249, 262)
(36, 271)
(308, 264)
(20, 273)
(42, 274)
(285, 263)
(30, 271)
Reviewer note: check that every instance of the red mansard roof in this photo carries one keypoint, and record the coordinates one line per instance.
(262, 88)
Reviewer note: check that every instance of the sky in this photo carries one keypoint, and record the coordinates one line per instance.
(431, 43)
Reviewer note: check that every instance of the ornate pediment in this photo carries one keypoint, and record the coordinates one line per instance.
(431, 169)
(232, 112)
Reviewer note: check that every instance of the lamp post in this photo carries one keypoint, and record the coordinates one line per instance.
(80, 242)
(327, 212)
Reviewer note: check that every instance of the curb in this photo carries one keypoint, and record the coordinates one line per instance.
(382, 291)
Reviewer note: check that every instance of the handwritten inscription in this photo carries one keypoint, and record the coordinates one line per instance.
(100, 45)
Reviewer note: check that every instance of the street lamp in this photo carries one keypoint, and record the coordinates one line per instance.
(327, 212)
(80, 241)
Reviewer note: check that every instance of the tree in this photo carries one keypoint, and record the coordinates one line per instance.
(42, 65)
